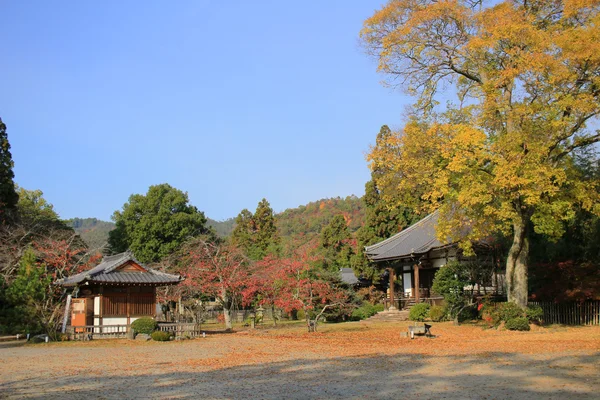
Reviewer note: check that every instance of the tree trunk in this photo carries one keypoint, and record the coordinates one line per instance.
(516, 263)
(310, 324)
(227, 317)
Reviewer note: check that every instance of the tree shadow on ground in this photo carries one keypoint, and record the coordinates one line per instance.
(486, 375)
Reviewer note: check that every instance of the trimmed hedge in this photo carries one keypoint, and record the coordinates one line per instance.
(144, 325)
(419, 312)
(517, 324)
(160, 336)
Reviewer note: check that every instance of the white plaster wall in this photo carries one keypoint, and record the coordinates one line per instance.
(96, 306)
(438, 262)
(439, 258)
(114, 321)
(407, 283)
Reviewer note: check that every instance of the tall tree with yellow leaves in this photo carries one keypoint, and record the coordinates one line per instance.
(527, 78)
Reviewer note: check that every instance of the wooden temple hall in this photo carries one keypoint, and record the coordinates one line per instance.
(110, 296)
(414, 255)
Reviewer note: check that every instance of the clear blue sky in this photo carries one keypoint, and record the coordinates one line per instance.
(231, 101)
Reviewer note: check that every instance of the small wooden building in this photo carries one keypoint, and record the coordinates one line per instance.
(416, 255)
(116, 292)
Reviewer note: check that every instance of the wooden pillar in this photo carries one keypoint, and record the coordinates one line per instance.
(128, 303)
(392, 278)
(417, 294)
(101, 305)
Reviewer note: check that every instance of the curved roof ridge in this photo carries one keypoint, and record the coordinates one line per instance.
(416, 239)
(103, 272)
(403, 232)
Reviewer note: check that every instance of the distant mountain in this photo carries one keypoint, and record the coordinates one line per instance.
(223, 228)
(93, 231)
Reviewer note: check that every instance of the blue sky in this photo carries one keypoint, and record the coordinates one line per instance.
(231, 101)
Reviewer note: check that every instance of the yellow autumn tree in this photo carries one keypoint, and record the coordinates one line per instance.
(502, 157)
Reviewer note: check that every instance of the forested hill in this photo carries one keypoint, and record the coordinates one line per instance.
(222, 228)
(307, 220)
(92, 230)
(313, 217)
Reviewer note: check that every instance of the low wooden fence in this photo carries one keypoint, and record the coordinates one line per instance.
(181, 330)
(238, 316)
(573, 313)
(88, 332)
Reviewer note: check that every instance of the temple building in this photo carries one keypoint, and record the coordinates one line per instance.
(416, 254)
(116, 292)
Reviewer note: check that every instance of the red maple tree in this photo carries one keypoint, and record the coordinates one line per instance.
(216, 270)
(295, 284)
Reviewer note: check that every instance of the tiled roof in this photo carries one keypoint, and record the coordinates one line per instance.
(416, 239)
(348, 276)
(106, 272)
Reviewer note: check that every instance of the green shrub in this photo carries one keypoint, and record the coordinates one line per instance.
(468, 313)
(419, 312)
(505, 312)
(450, 282)
(437, 313)
(145, 325)
(534, 314)
(301, 315)
(517, 324)
(160, 336)
(365, 311)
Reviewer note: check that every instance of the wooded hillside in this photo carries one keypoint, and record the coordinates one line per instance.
(303, 221)
(93, 231)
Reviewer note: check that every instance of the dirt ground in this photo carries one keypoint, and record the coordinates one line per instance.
(350, 360)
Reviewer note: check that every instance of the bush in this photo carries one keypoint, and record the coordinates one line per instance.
(534, 314)
(449, 282)
(468, 313)
(437, 313)
(505, 312)
(160, 336)
(365, 311)
(419, 312)
(517, 324)
(301, 315)
(144, 325)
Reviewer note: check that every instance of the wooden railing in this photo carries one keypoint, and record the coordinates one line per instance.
(88, 332)
(181, 330)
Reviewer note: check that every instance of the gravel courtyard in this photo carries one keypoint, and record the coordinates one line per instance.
(350, 360)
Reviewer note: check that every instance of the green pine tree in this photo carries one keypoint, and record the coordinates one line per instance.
(266, 239)
(241, 235)
(257, 233)
(8, 194)
(335, 240)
